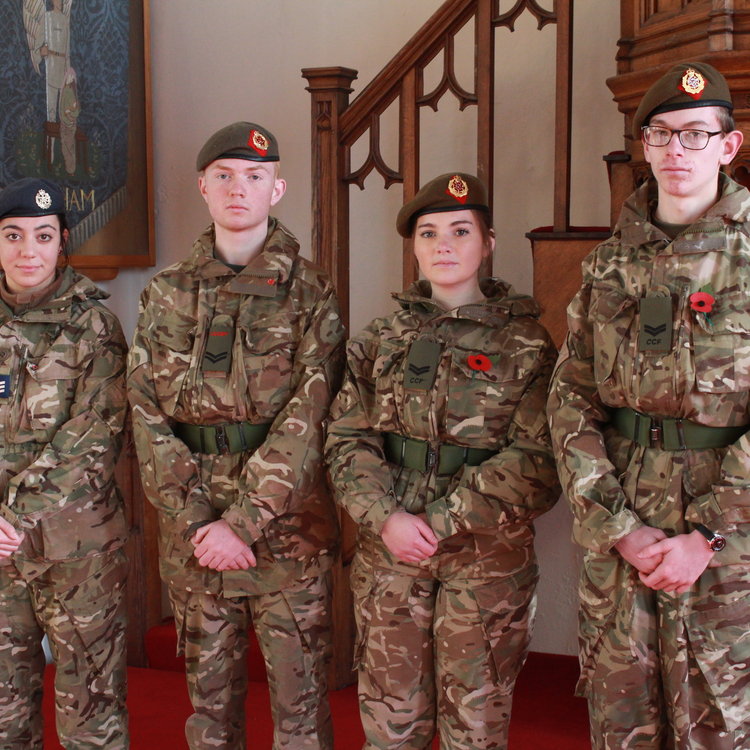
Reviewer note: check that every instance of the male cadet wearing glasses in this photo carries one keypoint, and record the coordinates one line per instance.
(649, 412)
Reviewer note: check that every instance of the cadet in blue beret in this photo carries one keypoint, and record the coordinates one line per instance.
(62, 525)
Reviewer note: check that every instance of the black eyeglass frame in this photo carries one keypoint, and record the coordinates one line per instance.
(672, 133)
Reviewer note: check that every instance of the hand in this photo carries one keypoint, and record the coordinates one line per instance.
(684, 558)
(409, 537)
(632, 545)
(219, 548)
(10, 539)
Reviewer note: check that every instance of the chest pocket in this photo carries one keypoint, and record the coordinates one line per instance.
(612, 314)
(171, 356)
(483, 392)
(722, 346)
(49, 389)
(269, 346)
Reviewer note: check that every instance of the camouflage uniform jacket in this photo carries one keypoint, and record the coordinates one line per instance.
(61, 417)
(499, 408)
(704, 377)
(286, 362)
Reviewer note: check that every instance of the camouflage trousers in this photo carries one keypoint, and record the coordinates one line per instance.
(664, 671)
(439, 654)
(294, 633)
(80, 606)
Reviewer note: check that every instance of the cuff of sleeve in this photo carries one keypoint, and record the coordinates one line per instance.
(196, 513)
(379, 512)
(607, 534)
(241, 525)
(440, 519)
(11, 517)
(721, 510)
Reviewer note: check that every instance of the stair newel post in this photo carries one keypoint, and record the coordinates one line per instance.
(330, 89)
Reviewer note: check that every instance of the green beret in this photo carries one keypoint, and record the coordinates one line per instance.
(240, 140)
(684, 86)
(453, 191)
(31, 196)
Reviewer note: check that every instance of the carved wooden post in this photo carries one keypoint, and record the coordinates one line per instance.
(330, 89)
(563, 119)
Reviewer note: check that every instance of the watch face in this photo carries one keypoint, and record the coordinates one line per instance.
(717, 543)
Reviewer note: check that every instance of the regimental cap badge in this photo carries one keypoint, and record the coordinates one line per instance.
(43, 199)
(458, 188)
(692, 83)
(258, 141)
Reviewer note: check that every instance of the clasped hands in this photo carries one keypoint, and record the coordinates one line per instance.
(666, 563)
(409, 537)
(219, 548)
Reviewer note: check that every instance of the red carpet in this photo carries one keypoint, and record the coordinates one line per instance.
(546, 715)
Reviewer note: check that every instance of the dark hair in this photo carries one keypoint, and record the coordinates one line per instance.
(63, 238)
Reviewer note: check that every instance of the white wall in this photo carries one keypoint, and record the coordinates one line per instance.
(217, 61)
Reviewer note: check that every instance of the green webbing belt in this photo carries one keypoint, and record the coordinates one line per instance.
(222, 438)
(419, 454)
(671, 434)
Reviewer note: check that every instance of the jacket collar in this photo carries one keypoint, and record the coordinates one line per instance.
(501, 302)
(276, 259)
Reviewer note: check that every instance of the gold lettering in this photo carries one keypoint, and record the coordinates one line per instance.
(79, 200)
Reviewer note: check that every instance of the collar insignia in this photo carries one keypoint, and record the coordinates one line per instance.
(458, 188)
(43, 199)
(692, 83)
(258, 141)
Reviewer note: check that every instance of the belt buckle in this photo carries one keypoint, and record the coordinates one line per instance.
(222, 443)
(431, 458)
(655, 434)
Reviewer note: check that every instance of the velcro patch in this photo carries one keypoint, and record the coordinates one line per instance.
(217, 359)
(422, 364)
(655, 334)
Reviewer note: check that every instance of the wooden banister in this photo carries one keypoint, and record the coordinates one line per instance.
(338, 124)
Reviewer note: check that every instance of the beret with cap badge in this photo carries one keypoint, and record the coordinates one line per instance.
(452, 191)
(684, 86)
(240, 140)
(31, 196)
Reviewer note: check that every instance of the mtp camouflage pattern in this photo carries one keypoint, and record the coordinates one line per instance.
(661, 670)
(449, 635)
(294, 637)
(61, 420)
(286, 355)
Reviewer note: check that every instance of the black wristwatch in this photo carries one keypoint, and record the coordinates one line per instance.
(716, 542)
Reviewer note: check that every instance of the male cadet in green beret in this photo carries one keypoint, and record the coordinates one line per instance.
(649, 412)
(235, 360)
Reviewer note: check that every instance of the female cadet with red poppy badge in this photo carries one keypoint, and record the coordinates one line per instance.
(438, 448)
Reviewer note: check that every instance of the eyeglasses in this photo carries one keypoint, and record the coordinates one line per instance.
(695, 140)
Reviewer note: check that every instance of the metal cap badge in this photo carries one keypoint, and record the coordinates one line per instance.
(453, 191)
(31, 196)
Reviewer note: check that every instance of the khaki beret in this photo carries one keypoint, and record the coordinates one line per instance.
(684, 86)
(453, 191)
(240, 140)
(31, 196)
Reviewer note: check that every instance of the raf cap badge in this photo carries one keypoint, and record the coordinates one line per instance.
(458, 188)
(258, 141)
(43, 199)
(692, 83)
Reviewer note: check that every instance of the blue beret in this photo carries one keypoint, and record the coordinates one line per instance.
(31, 196)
